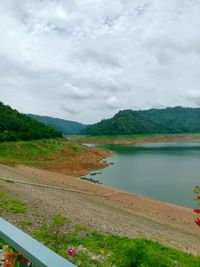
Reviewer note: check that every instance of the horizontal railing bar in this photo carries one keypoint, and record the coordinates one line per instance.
(31, 249)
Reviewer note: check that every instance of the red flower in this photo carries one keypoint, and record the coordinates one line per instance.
(197, 221)
(7, 263)
(198, 197)
(70, 252)
(197, 210)
(24, 260)
(8, 255)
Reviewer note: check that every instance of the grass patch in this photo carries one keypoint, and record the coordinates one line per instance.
(136, 137)
(9, 181)
(2, 243)
(32, 152)
(61, 155)
(11, 204)
(113, 137)
(25, 223)
(106, 250)
(76, 147)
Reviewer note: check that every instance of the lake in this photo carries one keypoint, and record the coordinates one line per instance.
(162, 171)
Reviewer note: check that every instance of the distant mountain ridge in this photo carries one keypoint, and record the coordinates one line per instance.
(168, 120)
(67, 127)
(17, 126)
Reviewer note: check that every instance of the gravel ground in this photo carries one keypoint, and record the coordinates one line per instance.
(107, 211)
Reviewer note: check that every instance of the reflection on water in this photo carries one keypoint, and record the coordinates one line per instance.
(163, 171)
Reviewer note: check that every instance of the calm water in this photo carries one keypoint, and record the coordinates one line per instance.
(163, 171)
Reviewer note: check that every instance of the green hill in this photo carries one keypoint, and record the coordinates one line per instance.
(17, 126)
(169, 120)
(65, 126)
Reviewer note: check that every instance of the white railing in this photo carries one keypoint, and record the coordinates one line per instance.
(34, 251)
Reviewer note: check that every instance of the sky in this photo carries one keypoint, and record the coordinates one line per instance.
(85, 60)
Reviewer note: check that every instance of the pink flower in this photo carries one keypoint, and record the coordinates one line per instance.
(197, 221)
(70, 252)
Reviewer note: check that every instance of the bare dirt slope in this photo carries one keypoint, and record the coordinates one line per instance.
(107, 210)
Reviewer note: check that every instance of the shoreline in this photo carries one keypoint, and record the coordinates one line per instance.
(117, 190)
(96, 159)
(177, 217)
(175, 138)
(157, 138)
(107, 209)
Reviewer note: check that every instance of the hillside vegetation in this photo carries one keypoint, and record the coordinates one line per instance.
(65, 126)
(59, 154)
(154, 121)
(17, 126)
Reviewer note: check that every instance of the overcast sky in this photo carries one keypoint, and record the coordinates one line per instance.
(86, 59)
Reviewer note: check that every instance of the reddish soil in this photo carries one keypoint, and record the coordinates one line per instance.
(75, 164)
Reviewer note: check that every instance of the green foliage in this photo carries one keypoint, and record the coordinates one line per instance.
(25, 223)
(33, 152)
(105, 250)
(142, 253)
(197, 190)
(132, 255)
(51, 234)
(75, 147)
(2, 243)
(65, 126)
(16, 126)
(154, 121)
(11, 204)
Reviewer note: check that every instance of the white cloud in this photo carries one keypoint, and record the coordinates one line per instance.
(112, 103)
(193, 96)
(85, 59)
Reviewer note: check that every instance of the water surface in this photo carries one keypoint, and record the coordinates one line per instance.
(162, 171)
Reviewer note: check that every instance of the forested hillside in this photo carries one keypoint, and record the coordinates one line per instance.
(17, 126)
(65, 126)
(169, 120)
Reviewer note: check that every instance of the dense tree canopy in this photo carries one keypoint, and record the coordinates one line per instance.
(65, 126)
(17, 126)
(169, 120)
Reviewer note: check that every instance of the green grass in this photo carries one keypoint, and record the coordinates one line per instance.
(113, 137)
(93, 249)
(2, 243)
(27, 152)
(43, 151)
(25, 223)
(11, 204)
(113, 250)
(85, 138)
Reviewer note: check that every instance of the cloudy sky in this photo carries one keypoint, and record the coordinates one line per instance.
(86, 59)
